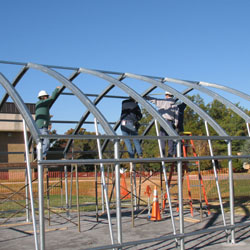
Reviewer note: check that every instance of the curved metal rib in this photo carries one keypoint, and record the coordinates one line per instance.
(215, 96)
(227, 89)
(78, 93)
(183, 98)
(22, 108)
(134, 95)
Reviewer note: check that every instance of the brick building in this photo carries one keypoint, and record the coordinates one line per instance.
(11, 133)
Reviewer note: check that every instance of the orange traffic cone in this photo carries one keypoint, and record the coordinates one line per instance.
(156, 213)
(164, 201)
(124, 190)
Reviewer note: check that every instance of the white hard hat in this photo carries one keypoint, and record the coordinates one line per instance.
(168, 93)
(42, 93)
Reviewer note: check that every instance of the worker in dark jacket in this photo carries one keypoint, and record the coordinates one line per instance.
(130, 116)
(180, 126)
(42, 116)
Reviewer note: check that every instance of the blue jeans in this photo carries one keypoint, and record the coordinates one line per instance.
(46, 141)
(130, 129)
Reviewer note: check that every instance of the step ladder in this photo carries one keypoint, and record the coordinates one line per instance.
(186, 146)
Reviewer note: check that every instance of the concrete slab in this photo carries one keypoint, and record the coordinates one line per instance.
(64, 235)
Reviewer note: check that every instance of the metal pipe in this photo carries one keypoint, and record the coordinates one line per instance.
(248, 130)
(118, 198)
(40, 196)
(77, 199)
(66, 190)
(180, 193)
(27, 197)
(29, 174)
(231, 191)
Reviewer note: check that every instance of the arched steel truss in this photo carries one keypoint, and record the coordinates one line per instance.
(118, 82)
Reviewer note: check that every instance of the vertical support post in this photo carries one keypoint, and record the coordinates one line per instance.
(66, 190)
(102, 190)
(199, 173)
(180, 193)
(118, 198)
(29, 175)
(71, 187)
(231, 191)
(71, 177)
(77, 199)
(96, 195)
(48, 195)
(132, 194)
(27, 206)
(41, 197)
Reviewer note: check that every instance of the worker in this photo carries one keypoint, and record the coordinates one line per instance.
(180, 126)
(130, 116)
(42, 116)
(169, 111)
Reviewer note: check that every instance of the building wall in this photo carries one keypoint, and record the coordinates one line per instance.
(11, 138)
(13, 144)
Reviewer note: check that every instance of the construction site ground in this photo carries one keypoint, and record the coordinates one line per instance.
(65, 235)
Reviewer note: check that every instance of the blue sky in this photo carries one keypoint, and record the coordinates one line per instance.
(197, 40)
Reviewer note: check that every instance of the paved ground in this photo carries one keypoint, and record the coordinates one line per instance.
(64, 235)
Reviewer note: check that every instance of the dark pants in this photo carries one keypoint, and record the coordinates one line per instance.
(171, 143)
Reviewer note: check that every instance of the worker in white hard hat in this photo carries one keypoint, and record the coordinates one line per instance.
(42, 115)
(168, 109)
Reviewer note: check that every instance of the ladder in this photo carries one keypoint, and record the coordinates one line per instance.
(186, 145)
